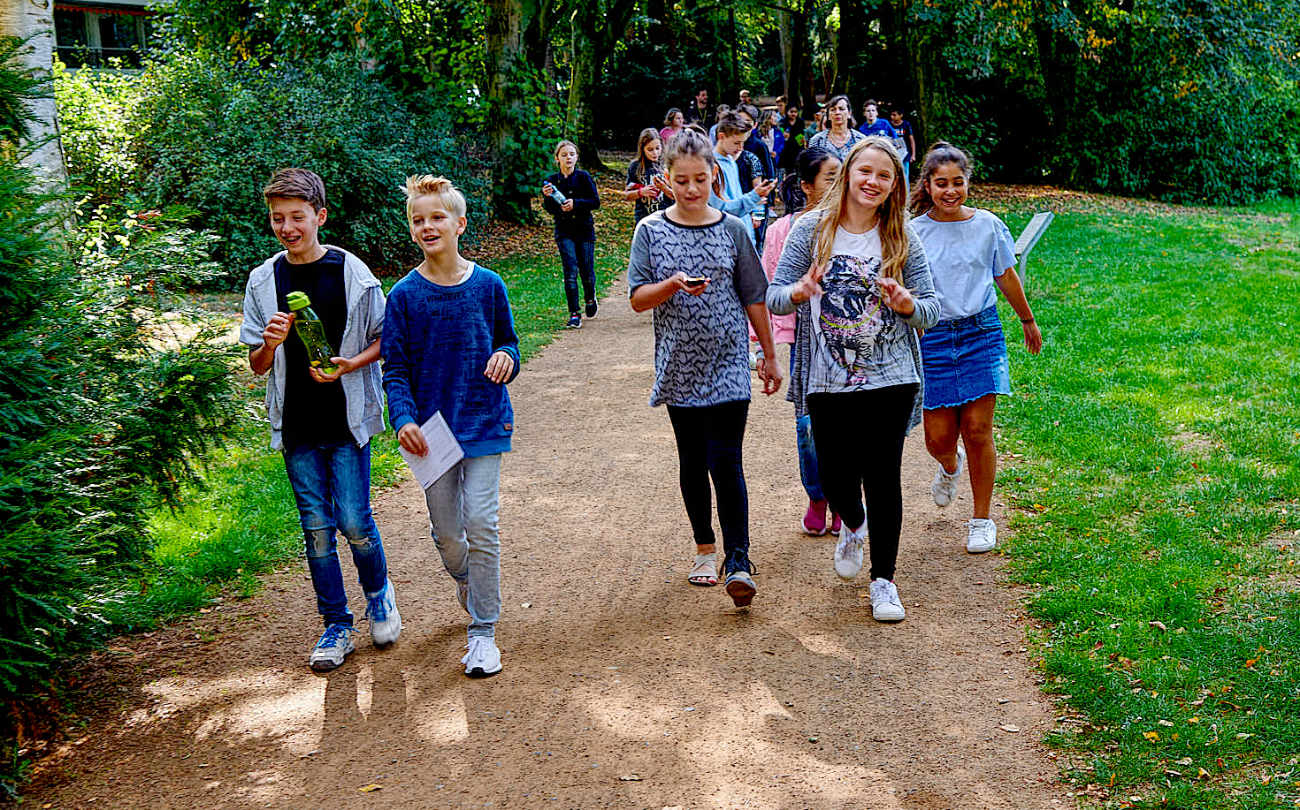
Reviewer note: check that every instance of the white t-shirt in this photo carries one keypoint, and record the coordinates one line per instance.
(853, 331)
(965, 257)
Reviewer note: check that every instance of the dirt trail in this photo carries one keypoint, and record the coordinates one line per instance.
(623, 685)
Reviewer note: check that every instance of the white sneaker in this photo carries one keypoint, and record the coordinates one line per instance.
(848, 552)
(944, 487)
(982, 535)
(885, 604)
(483, 658)
(385, 621)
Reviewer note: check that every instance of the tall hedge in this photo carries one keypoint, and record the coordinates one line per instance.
(202, 131)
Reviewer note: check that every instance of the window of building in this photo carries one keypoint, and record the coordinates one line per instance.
(89, 35)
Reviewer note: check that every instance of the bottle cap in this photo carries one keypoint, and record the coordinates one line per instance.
(297, 300)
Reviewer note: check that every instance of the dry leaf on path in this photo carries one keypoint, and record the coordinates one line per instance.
(1009, 728)
(371, 788)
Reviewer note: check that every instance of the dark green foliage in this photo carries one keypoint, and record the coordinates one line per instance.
(17, 88)
(103, 403)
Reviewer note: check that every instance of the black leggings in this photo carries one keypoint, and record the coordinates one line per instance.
(859, 440)
(709, 442)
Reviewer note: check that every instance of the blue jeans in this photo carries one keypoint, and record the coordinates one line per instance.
(808, 473)
(463, 506)
(331, 483)
(578, 259)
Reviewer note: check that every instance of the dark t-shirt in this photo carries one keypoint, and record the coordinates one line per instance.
(313, 412)
(644, 207)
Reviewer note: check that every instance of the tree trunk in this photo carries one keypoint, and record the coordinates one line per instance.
(511, 190)
(579, 124)
(848, 49)
(596, 27)
(34, 24)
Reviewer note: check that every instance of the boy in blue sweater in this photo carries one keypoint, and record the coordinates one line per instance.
(449, 346)
(323, 422)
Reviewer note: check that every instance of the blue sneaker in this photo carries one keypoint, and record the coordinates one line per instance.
(334, 645)
(385, 621)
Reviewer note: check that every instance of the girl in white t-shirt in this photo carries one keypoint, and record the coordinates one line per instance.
(965, 354)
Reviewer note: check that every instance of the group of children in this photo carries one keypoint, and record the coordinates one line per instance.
(447, 339)
(894, 324)
(891, 321)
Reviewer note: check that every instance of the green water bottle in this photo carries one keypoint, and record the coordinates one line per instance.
(312, 333)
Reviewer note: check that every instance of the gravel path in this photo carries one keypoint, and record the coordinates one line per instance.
(623, 685)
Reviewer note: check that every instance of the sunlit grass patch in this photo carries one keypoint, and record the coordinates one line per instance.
(1155, 497)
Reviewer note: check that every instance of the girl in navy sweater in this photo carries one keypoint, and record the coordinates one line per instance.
(570, 196)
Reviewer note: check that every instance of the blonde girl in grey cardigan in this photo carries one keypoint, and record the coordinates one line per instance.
(857, 274)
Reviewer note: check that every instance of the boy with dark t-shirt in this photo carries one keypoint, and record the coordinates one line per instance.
(321, 422)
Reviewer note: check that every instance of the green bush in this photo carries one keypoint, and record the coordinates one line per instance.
(97, 136)
(104, 400)
(208, 134)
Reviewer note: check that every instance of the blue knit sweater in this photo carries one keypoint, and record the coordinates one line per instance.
(436, 344)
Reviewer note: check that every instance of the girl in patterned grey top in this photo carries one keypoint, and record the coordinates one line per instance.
(859, 277)
(696, 268)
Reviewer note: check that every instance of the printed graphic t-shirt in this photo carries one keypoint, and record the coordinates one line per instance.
(854, 333)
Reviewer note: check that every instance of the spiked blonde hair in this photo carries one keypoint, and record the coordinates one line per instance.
(426, 185)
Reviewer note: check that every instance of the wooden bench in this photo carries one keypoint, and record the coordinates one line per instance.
(1028, 238)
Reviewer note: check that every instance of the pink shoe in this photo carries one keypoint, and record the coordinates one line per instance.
(814, 520)
(835, 524)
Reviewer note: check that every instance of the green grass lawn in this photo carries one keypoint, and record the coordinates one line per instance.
(1150, 457)
(242, 522)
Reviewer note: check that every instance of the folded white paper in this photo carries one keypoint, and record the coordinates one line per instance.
(444, 452)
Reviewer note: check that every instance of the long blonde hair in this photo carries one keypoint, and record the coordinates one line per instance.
(889, 217)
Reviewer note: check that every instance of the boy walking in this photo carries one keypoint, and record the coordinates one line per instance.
(321, 422)
(449, 347)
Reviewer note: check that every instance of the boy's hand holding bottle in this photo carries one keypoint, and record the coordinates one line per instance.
(342, 366)
(277, 330)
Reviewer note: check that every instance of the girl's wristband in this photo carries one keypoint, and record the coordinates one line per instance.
(1026, 320)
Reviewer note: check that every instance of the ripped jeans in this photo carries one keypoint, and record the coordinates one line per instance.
(331, 483)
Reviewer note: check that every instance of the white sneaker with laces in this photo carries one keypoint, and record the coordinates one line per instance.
(385, 620)
(982, 535)
(483, 658)
(848, 552)
(944, 487)
(885, 604)
(335, 644)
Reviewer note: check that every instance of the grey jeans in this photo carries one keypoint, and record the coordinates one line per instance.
(463, 507)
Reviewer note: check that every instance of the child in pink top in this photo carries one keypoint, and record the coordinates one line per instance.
(801, 191)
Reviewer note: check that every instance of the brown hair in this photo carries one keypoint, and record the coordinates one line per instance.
(296, 184)
(647, 135)
(890, 217)
(673, 112)
(732, 124)
(426, 185)
(939, 154)
(688, 143)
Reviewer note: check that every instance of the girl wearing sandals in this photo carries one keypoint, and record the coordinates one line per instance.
(966, 368)
(696, 268)
(857, 273)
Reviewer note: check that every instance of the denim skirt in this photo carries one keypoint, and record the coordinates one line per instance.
(965, 359)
